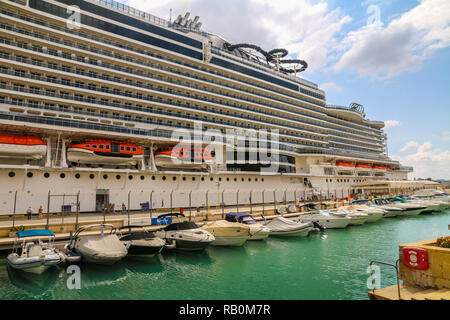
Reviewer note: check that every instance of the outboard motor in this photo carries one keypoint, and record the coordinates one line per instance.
(318, 227)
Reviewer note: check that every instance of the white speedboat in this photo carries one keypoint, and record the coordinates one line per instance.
(105, 248)
(374, 214)
(257, 230)
(391, 211)
(35, 256)
(227, 233)
(356, 218)
(184, 236)
(142, 243)
(325, 219)
(282, 227)
(410, 208)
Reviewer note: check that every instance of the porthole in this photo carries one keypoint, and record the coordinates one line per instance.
(130, 177)
(12, 174)
(77, 176)
(220, 179)
(153, 178)
(228, 179)
(256, 179)
(262, 179)
(164, 178)
(105, 176)
(46, 175)
(62, 175)
(174, 178)
(193, 178)
(118, 177)
(91, 176)
(30, 174)
(203, 178)
(242, 179)
(184, 178)
(249, 180)
(211, 179)
(235, 179)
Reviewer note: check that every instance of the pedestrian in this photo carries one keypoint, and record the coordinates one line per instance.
(41, 210)
(124, 207)
(29, 213)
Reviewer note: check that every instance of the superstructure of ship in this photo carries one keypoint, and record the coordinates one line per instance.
(126, 102)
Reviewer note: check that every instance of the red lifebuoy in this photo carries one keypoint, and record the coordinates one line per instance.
(415, 258)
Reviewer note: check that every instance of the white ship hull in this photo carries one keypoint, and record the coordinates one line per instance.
(229, 241)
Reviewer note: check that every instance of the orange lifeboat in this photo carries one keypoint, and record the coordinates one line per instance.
(183, 158)
(382, 167)
(363, 166)
(105, 152)
(22, 147)
(345, 164)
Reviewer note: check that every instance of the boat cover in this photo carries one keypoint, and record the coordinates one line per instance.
(224, 228)
(34, 233)
(281, 224)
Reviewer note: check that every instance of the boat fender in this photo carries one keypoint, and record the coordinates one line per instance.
(415, 258)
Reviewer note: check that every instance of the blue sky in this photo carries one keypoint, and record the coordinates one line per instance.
(392, 56)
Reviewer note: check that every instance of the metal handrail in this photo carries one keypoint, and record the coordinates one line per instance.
(396, 267)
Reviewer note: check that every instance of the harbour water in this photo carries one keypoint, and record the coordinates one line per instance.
(329, 265)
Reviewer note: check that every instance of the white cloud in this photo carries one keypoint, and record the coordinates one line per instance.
(409, 145)
(385, 52)
(391, 123)
(308, 29)
(331, 86)
(427, 162)
(446, 136)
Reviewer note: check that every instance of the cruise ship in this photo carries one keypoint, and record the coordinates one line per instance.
(105, 103)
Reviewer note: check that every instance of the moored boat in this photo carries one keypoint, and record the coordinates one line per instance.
(184, 236)
(257, 230)
(282, 227)
(227, 233)
(103, 249)
(34, 257)
(142, 243)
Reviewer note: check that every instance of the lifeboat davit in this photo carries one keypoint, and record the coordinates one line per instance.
(22, 147)
(183, 158)
(105, 152)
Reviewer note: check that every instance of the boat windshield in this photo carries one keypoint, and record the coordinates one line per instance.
(182, 226)
(248, 220)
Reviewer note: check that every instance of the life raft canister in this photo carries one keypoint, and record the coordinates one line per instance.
(415, 258)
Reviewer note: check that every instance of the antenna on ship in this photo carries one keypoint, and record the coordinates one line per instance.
(170, 15)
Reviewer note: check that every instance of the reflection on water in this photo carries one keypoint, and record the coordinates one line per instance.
(326, 265)
(34, 285)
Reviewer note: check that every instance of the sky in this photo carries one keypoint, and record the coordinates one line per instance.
(392, 56)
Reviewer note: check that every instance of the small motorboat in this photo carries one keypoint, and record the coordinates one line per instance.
(356, 218)
(325, 219)
(410, 208)
(282, 227)
(141, 243)
(100, 249)
(391, 211)
(184, 236)
(227, 233)
(67, 255)
(105, 152)
(257, 230)
(35, 256)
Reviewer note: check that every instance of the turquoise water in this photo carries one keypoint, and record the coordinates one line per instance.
(330, 265)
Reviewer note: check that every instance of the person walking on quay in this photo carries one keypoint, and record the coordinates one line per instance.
(41, 210)
(124, 208)
(29, 213)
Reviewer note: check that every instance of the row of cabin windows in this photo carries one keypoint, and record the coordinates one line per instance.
(12, 174)
(101, 147)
